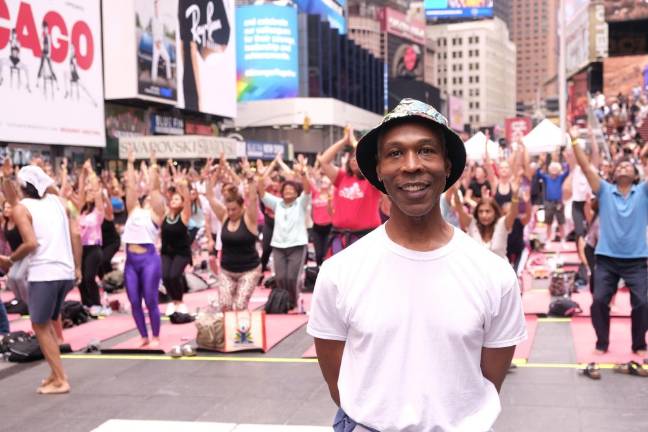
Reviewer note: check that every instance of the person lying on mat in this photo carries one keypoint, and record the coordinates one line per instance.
(415, 325)
(621, 250)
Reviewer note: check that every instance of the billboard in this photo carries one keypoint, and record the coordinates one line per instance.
(625, 10)
(176, 52)
(406, 27)
(456, 113)
(267, 58)
(516, 128)
(624, 74)
(51, 89)
(405, 58)
(332, 11)
(586, 36)
(458, 9)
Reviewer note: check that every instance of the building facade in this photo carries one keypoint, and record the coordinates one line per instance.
(534, 29)
(476, 62)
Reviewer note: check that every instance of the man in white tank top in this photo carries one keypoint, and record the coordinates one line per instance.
(54, 246)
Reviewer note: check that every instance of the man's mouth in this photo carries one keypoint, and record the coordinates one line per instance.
(413, 187)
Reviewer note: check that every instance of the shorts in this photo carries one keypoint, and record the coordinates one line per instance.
(46, 299)
(554, 208)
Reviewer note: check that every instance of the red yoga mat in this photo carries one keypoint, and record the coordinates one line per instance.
(6, 296)
(522, 351)
(620, 350)
(537, 302)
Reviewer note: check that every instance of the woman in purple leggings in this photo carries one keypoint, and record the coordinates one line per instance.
(142, 271)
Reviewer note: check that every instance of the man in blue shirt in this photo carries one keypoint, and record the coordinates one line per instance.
(553, 200)
(622, 249)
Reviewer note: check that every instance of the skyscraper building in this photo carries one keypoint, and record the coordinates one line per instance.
(476, 62)
(534, 30)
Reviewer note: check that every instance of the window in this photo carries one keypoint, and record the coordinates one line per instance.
(470, 79)
(476, 119)
(470, 105)
(477, 105)
(460, 80)
(476, 39)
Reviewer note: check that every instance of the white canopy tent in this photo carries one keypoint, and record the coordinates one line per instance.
(544, 138)
(476, 148)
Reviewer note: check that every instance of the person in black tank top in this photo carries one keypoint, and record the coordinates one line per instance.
(176, 247)
(240, 262)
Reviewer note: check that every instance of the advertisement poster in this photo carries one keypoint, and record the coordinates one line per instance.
(51, 89)
(186, 53)
(267, 52)
(516, 128)
(458, 9)
(405, 59)
(156, 30)
(624, 74)
(625, 10)
(456, 113)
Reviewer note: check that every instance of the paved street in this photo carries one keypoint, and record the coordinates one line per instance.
(280, 388)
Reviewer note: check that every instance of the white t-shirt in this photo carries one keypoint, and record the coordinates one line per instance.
(415, 324)
(580, 185)
(498, 243)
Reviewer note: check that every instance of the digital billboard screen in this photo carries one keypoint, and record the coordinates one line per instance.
(267, 52)
(329, 10)
(458, 9)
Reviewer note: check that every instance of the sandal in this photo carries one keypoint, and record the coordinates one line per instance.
(592, 371)
(631, 368)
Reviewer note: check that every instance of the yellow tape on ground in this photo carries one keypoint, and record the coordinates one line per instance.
(195, 358)
(554, 320)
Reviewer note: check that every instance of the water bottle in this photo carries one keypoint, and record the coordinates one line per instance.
(301, 306)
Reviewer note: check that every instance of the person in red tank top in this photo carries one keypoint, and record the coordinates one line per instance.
(355, 202)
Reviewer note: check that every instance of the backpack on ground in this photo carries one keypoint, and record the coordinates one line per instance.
(113, 281)
(25, 351)
(11, 339)
(564, 307)
(73, 313)
(562, 283)
(278, 302)
(16, 306)
(310, 278)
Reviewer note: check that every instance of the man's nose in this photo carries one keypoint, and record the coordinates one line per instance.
(411, 162)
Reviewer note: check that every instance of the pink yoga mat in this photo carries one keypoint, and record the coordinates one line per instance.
(170, 335)
(102, 329)
(537, 302)
(6, 296)
(620, 350)
(522, 351)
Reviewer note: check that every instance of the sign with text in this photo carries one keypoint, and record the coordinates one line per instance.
(181, 147)
(406, 27)
(267, 53)
(51, 86)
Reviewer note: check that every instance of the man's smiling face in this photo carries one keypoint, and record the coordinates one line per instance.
(413, 166)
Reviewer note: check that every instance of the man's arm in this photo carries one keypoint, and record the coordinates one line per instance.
(329, 355)
(495, 363)
(326, 160)
(592, 176)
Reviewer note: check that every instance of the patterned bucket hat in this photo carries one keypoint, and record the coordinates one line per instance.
(408, 110)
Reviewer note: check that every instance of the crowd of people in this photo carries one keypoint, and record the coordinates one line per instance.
(246, 213)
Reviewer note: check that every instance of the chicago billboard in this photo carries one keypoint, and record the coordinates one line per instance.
(51, 72)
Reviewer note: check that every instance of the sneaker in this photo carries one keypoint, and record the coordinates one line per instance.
(106, 311)
(95, 310)
(183, 309)
(188, 351)
(176, 351)
(170, 309)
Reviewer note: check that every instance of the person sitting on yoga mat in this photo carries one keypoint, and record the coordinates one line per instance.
(290, 237)
(240, 262)
(355, 203)
(176, 245)
(414, 326)
(142, 271)
(622, 249)
(52, 241)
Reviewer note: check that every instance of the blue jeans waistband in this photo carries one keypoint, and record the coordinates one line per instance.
(344, 423)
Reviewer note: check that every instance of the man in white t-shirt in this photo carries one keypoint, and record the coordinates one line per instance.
(415, 325)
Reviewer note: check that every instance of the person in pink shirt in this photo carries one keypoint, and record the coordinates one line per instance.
(90, 219)
(355, 201)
